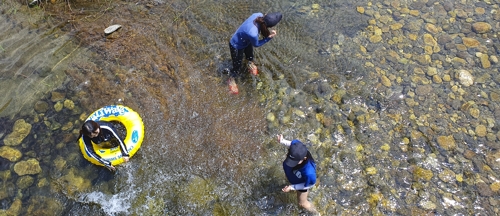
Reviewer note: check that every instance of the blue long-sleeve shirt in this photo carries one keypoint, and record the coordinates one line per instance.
(248, 34)
(302, 178)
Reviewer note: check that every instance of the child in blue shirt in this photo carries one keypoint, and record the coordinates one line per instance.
(300, 170)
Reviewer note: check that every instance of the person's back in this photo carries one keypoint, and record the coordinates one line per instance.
(246, 32)
(245, 38)
(304, 173)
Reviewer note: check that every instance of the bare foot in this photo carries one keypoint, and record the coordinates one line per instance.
(233, 88)
(252, 68)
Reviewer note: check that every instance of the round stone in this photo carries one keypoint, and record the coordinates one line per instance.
(481, 27)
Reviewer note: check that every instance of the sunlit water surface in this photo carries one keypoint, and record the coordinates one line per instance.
(207, 152)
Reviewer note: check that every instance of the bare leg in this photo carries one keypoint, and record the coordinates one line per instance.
(304, 203)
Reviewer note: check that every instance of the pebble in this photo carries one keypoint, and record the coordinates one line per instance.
(111, 29)
(446, 142)
(481, 27)
(481, 130)
(470, 42)
(465, 77)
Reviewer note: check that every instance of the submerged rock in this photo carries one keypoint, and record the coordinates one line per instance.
(27, 167)
(14, 209)
(465, 77)
(446, 142)
(5, 175)
(484, 189)
(481, 27)
(20, 131)
(421, 173)
(57, 96)
(41, 205)
(470, 42)
(427, 205)
(447, 176)
(72, 183)
(10, 153)
(58, 106)
(481, 130)
(41, 107)
(69, 104)
(493, 160)
(24, 182)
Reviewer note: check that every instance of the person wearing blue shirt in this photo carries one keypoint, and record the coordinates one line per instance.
(245, 38)
(300, 170)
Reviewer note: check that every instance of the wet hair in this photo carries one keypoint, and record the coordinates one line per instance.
(88, 127)
(263, 27)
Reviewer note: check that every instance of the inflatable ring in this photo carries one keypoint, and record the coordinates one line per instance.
(133, 140)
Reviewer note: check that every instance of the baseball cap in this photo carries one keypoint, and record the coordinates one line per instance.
(272, 19)
(296, 152)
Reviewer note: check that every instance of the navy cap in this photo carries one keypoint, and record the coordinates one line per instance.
(272, 19)
(296, 152)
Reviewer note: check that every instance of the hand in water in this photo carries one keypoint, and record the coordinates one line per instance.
(273, 33)
(280, 137)
(126, 159)
(111, 168)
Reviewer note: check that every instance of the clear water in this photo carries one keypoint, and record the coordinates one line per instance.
(207, 152)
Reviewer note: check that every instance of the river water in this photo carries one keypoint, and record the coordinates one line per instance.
(398, 102)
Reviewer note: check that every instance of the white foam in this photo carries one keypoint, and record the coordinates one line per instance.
(113, 204)
(110, 204)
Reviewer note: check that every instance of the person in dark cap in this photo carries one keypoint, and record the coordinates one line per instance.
(245, 38)
(300, 170)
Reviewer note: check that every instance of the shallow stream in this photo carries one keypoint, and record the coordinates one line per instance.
(398, 101)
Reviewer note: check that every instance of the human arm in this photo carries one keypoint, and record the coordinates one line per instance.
(257, 43)
(283, 140)
(109, 129)
(292, 187)
(89, 149)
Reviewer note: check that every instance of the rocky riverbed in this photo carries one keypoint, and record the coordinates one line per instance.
(398, 101)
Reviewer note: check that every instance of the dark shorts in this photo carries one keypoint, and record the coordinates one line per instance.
(302, 191)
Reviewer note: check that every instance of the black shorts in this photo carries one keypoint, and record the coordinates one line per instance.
(302, 191)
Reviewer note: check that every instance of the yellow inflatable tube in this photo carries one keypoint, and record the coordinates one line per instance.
(133, 140)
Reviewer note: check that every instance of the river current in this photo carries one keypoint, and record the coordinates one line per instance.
(397, 100)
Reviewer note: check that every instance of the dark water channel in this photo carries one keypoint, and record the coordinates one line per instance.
(398, 102)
